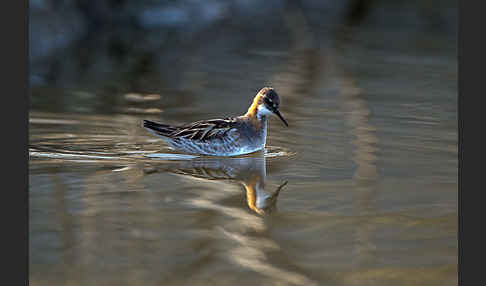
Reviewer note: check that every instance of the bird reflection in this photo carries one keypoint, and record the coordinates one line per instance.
(248, 171)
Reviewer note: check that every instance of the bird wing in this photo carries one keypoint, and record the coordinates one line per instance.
(205, 130)
(200, 130)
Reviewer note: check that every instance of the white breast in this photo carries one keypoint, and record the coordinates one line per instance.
(264, 133)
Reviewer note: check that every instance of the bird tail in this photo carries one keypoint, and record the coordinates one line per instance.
(159, 129)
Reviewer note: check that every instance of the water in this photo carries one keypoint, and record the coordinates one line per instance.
(361, 189)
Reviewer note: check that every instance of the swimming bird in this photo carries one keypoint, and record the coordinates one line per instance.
(230, 136)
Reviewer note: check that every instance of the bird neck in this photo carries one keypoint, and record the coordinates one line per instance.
(253, 109)
(254, 113)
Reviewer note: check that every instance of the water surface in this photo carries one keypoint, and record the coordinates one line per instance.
(361, 189)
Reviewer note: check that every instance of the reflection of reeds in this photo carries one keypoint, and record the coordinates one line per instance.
(302, 69)
(307, 69)
(357, 116)
(65, 220)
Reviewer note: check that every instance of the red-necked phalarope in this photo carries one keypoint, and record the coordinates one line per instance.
(224, 137)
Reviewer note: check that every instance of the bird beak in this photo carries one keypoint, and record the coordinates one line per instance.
(277, 112)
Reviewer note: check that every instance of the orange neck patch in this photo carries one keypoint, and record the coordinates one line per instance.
(252, 112)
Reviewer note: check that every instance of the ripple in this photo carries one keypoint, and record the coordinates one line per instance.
(269, 152)
(168, 156)
(68, 156)
(134, 152)
(275, 151)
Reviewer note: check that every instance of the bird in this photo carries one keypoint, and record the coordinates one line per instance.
(231, 136)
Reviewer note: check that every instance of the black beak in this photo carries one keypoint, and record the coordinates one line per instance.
(277, 112)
